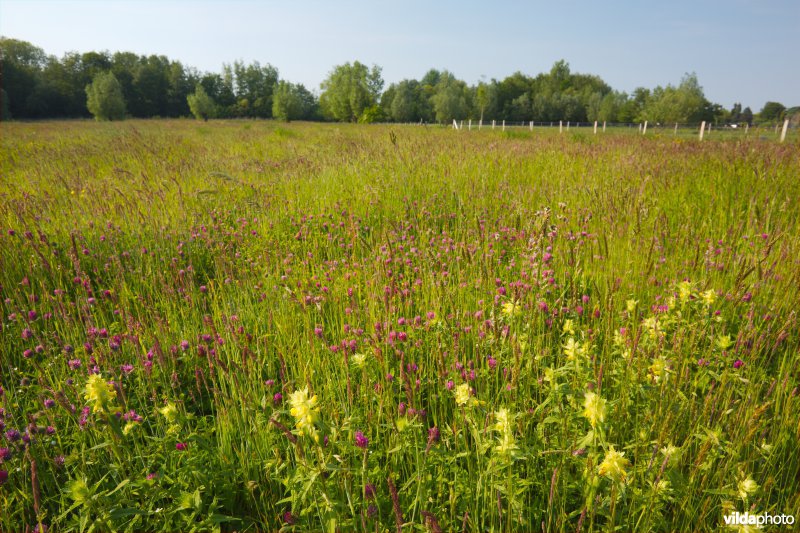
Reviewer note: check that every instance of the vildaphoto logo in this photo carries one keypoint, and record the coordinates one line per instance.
(758, 520)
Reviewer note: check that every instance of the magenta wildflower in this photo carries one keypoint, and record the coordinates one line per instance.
(49, 403)
(181, 446)
(361, 441)
(369, 491)
(277, 398)
(738, 364)
(289, 518)
(5, 455)
(3, 476)
(12, 435)
(27, 334)
(126, 369)
(433, 437)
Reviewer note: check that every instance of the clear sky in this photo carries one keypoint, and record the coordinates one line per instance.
(744, 51)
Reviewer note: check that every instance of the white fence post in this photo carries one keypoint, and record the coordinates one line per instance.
(595, 127)
(746, 128)
(504, 125)
(785, 127)
(604, 126)
(676, 129)
(702, 129)
(531, 125)
(493, 124)
(480, 124)
(568, 125)
(469, 127)
(455, 124)
(644, 130)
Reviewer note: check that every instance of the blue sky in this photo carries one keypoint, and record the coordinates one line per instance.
(741, 50)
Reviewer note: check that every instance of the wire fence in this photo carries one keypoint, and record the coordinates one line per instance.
(781, 130)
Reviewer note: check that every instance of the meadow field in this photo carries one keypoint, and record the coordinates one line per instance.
(254, 326)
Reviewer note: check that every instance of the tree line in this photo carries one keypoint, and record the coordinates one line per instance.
(114, 86)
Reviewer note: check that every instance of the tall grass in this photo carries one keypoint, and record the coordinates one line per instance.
(499, 316)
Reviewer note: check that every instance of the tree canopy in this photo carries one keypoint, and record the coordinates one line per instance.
(37, 85)
(350, 89)
(104, 97)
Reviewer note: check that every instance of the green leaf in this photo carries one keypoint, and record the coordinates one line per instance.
(122, 484)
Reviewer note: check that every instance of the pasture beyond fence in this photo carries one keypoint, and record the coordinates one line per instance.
(703, 130)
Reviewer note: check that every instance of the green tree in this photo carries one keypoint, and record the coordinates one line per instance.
(20, 73)
(486, 99)
(772, 112)
(406, 100)
(349, 90)
(450, 99)
(747, 115)
(684, 103)
(286, 102)
(4, 112)
(104, 97)
(201, 104)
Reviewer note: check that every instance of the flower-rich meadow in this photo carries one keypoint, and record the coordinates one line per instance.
(245, 326)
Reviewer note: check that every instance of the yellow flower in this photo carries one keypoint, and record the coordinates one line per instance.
(613, 465)
(724, 342)
(619, 340)
(651, 325)
(359, 359)
(571, 349)
(684, 290)
(99, 392)
(506, 442)
(594, 408)
(709, 297)
(658, 369)
(631, 305)
(671, 453)
(79, 491)
(747, 487)
(463, 394)
(568, 327)
(305, 412)
(522, 340)
(663, 487)
(170, 412)
(502, 420)
(510, 308)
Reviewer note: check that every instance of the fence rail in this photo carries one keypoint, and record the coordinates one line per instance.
(702, 130)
